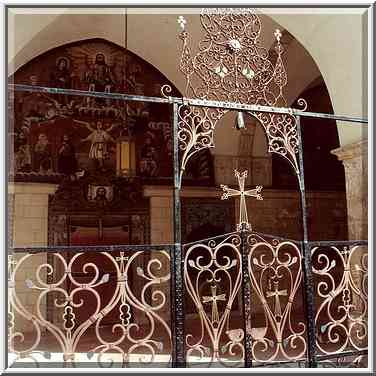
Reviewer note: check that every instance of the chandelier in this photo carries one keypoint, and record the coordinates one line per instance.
(231, 65)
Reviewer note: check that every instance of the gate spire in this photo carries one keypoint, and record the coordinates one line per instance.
(229, 192)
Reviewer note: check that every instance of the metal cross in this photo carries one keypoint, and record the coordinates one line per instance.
(182, 22)
(229, 192)
(123, 260)
(278, 35)
(214, 298)
(276, 293)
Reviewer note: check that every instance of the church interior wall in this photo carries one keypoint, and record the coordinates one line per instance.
(45, 31)
(316, 57)
(277, 213)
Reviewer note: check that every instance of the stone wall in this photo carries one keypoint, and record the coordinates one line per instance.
(30, 229)
(161, 219)
(259, 169)
(279, 214)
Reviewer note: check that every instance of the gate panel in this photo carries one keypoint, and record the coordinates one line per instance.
(134, 293)
(277, 322)
(273, 314)
(212, 279)
(341, 303)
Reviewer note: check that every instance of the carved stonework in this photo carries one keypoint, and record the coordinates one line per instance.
(354, 159)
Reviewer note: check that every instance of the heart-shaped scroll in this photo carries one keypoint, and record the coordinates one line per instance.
(341, 275)
(275, 270)
(212, 275)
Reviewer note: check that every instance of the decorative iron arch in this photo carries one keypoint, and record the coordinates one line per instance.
(232, 66)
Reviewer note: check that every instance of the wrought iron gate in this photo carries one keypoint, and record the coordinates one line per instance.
(248, 289)
(260, 300)
(246, 312)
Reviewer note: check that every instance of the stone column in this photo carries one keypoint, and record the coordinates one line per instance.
(354, 159)
(29, 229)
(161, 232)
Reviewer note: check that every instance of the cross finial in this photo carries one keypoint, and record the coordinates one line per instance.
(123, 260)
(229, 192)
(182, 22)
(278, 35)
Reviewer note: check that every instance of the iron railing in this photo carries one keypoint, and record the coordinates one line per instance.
(243, 294)
(178, 275)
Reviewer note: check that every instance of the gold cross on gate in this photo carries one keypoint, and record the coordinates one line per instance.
(229, 192)
(276, 293)
(214, 298)
(121, 258)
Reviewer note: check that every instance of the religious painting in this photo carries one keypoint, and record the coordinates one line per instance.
(58, 135)
(98, 193)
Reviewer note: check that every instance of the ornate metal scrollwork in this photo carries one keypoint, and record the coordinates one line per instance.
(196, 127)
(282, 136)
(232, 66)
(341, 277)
(275, 271)
(195, 131)
(212, 276)
(128, 335)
